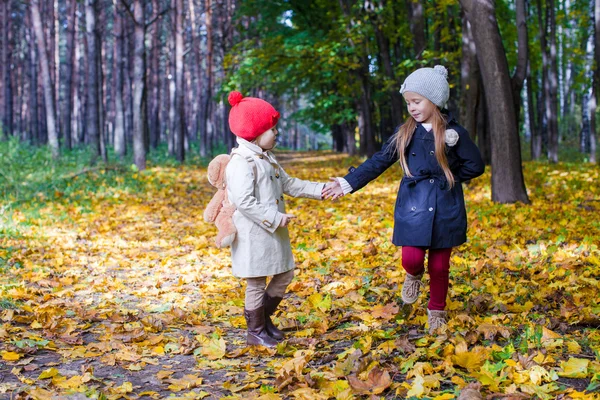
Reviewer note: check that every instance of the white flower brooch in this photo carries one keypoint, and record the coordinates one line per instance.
(451, 137)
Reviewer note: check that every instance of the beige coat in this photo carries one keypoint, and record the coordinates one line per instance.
(261, 247)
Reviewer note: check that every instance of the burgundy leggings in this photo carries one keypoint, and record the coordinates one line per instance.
(413, 260)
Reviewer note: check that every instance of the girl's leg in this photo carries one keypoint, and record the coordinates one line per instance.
(255, 313)
(412, 262)
(273, 297)
(255, 292)
(439, 274)
(279, 283)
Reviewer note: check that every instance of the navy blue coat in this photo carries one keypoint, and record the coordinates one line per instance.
(427, 212)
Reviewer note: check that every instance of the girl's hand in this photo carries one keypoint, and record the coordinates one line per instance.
(286, 220)
(332, 190)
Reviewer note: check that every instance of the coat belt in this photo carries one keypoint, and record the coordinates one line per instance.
(426, 174)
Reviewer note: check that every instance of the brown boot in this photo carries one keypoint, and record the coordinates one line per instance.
(257, 334)
(271, 304)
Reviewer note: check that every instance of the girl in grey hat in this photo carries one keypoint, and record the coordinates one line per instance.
(436, 155)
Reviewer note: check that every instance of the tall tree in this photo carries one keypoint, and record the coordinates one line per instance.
(46, 78)
(7, 120)
(139, 85)
(508, 185)
(92, 107)
(596, 84)
(68, 72)
(179, 133)
(120, 142)
(552, 91)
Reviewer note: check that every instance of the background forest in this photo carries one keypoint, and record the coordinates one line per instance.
(132, 76)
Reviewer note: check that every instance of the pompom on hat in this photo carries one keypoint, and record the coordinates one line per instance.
(250, 117)
(431, 83)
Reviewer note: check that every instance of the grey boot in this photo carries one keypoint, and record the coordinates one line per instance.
(436, 320)
(257, 334)
(411, 288)
(271, 304)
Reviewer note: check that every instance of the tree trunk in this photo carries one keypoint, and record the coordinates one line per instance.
(395, 96)
(522, 57)
(46, 78)
(508, 185)
(93, 110)
(205, 147)
(155, 79)
(416, 17)
(139, 88)
(536, 137)
(34, 127)
(120, 141)
(552, 102)
(6, 76)
(596, 83)
(179, 100)
(67, 105)
(470, 78)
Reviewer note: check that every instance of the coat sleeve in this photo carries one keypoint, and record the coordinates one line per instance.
(373, 167)
(470, 163)
(240, 189)
(299, 188)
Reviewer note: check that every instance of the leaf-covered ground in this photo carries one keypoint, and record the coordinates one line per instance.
(109, 292)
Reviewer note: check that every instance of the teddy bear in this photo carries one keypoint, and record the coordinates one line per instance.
(219, 210)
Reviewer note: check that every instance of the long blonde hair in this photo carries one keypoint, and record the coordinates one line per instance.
(405, 133)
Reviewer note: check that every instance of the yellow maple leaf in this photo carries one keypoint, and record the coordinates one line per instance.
(10, 356)
(574, 368)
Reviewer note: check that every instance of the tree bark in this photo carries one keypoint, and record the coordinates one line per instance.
(416, 17)
(552, 103)
(594, 134)
(522, 56)
(205, 146)
(34, 127)
(7, 111)
(508, 185)
(46, 79)
(120, 142)
(92, 107)
(67, 106)
(154, 117)
(470, 78)
(536, 137)
(179, 98)
(139, 87)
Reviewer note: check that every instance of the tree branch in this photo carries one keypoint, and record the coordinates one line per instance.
(160, 14)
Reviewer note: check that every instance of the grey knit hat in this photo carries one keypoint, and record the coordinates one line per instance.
(431, 83)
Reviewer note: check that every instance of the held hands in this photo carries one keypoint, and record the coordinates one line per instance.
(285, 220)
(332, 190)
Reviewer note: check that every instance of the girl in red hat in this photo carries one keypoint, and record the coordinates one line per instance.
(256, 184)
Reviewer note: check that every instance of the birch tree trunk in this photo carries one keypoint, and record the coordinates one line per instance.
(179, 97)
(552, 101)
(46, 79)
(120, 141)
(139, 87)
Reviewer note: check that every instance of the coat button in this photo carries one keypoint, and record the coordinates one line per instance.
(413, 208)
(430, 208)
(276, 201)
(414, 154)
(260, 156)
(432, 152)
(431, 181)
(277, 176)
(281, 197)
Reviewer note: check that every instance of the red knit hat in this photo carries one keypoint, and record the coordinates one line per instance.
(250, 117)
